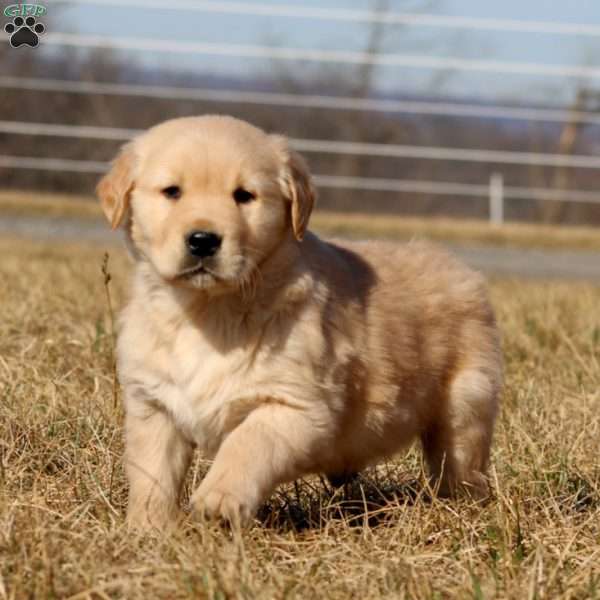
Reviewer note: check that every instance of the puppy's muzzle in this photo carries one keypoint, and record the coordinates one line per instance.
(203, 244)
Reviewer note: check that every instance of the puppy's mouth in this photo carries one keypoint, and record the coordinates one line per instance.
(199, 269)
(205, 274)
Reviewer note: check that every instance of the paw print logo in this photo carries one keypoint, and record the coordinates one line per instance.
(24, 32)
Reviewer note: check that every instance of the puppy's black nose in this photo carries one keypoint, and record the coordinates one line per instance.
(203, 243)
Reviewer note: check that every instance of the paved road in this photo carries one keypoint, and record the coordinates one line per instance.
(57, 228)
(564, 264)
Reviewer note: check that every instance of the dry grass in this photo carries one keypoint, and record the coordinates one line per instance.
(22, 203)
(62, 490)
(357, 225)
(457, 231)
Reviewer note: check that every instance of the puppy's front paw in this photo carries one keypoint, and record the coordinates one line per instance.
(140, 520)
(220, 503)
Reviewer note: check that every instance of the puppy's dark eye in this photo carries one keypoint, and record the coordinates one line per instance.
(242, 196)
(173, 192)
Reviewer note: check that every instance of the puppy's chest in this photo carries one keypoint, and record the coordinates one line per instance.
(206, 389)
(203, 372)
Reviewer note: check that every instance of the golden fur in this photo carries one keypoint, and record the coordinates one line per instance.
(287, 354)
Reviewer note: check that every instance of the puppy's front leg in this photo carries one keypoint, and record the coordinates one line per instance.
(273, 444)
(157, 458)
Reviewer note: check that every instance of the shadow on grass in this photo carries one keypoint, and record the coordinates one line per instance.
(363, 501)
(571, 491)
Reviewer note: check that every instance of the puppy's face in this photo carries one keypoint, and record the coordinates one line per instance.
(207, 199)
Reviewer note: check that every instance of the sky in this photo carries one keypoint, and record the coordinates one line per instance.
(425, 41)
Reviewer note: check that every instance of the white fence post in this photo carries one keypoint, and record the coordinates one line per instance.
(496, 199)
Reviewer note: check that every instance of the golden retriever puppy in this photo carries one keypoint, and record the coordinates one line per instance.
(274, 352)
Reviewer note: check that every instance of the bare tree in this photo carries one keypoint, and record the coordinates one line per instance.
(561, 178)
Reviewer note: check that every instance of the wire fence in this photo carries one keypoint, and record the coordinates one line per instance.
(345, 103)
(331, 147)
(353, 15)
(282, 53)
(576, 116)
(444, 188)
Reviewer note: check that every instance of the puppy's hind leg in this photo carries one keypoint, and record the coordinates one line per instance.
(457, 444)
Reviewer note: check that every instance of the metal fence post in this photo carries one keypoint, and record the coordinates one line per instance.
(496, 199)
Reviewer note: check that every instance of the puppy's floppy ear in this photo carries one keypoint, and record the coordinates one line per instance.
(114, 189)
(296, 185)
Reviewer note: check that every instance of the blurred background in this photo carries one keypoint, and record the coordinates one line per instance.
(453, 108)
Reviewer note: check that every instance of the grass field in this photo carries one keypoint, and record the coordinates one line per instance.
(62, 488)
